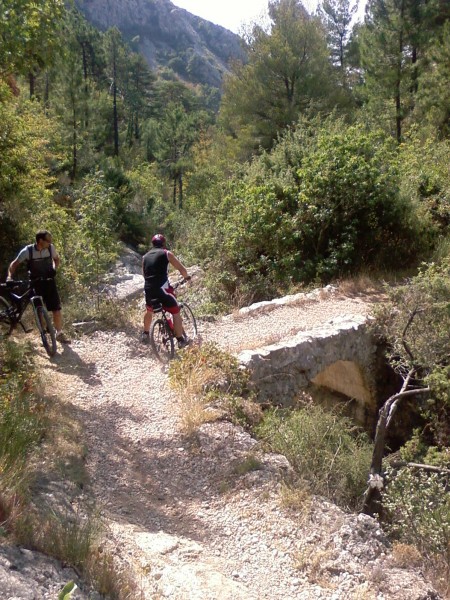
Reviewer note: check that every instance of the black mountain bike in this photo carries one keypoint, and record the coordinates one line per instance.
(162, 337)
(14, 305)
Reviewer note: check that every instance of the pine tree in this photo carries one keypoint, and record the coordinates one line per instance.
(394, 39)
(115, 59)
(288, 69)
(138, 88)
(337, 17)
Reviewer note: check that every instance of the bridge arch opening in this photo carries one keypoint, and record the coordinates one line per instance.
(347, 378)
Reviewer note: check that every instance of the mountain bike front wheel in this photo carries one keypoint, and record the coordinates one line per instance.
(46, 330)
(161, 340)
(189, 322)
(6, 324)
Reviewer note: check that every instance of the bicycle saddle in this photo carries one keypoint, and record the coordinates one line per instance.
(156, 305)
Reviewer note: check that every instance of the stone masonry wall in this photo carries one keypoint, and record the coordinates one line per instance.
(340, 355)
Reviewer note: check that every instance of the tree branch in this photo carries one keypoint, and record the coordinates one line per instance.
(387, 411)
(403, 463)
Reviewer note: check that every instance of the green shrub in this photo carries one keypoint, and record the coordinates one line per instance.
(425, 179)
(417, 506)
(325, 202)
(21, 410)
(22, 423)
(324, 450)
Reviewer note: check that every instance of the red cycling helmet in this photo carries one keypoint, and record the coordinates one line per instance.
(158, 240)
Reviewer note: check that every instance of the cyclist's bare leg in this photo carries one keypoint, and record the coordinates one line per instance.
(57, 320)
(177, 325)
(147, 320)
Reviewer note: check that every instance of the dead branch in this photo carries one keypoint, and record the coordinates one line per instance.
(385, 416)
(432, 468)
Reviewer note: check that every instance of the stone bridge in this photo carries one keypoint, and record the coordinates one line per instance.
(340, 355)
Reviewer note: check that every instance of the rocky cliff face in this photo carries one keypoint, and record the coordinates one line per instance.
(197, 50)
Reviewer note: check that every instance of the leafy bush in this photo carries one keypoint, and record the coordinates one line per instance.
(324, 450)
(22, 422)
(417, 506)
(24, 176)
(416, 325)
(324, 202)
(350, 214)
(425, 179)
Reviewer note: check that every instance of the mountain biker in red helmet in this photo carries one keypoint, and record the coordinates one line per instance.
(155, 266)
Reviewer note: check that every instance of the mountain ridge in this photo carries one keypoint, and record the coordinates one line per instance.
(196, 50)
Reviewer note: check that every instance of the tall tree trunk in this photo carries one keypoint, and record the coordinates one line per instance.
(32, 82)
(415, 73)
(86, 89)
(398, 101)
(74, 147)
(137, 131)
(46, 91)
(115, 116)
(180, 189)
(398, 112)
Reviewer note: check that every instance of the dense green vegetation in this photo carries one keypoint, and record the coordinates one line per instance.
(329, 155)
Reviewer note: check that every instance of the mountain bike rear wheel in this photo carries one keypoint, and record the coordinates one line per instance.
(46, 330)
(189, 322)
(6, 325)
(161, 340)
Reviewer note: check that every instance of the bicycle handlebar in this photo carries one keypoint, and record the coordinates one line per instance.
(181, 282)
(9, 283)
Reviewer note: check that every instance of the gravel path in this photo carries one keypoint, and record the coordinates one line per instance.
(180, 516)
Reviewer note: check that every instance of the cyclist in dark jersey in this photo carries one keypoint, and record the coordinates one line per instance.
(155, 267)
(42, 261)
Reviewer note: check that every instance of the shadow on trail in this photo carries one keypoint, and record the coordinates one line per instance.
(157, 483)
(66, 360)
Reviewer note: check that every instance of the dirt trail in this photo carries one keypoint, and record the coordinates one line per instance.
(180, 516)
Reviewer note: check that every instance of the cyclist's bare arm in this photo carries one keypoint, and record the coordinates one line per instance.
(177, 264)
(12, 268)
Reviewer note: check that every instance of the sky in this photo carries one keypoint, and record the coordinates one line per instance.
(231, 14)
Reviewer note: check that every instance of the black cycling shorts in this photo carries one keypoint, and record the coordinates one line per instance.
(49, 293)
(165, 297)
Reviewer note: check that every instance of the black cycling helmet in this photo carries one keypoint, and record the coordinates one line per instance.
(158, 240)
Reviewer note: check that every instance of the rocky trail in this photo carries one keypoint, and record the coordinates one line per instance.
(181, 517)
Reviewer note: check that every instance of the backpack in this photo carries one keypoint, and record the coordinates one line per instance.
(30, 253)
(30, 256)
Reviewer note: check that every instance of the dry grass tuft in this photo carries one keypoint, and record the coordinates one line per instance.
(313, 561)
(112, 580)
(406, 556)
(246, 465)
(359, 285)
(363, 592)
(437, 571)
(297, 497)
(212, 386)
(195, 412)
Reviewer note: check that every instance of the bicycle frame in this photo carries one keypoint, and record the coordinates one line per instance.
(158, 309)
(20, 303)
(16, 304)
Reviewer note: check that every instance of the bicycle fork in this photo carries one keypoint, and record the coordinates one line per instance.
(36, 302)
